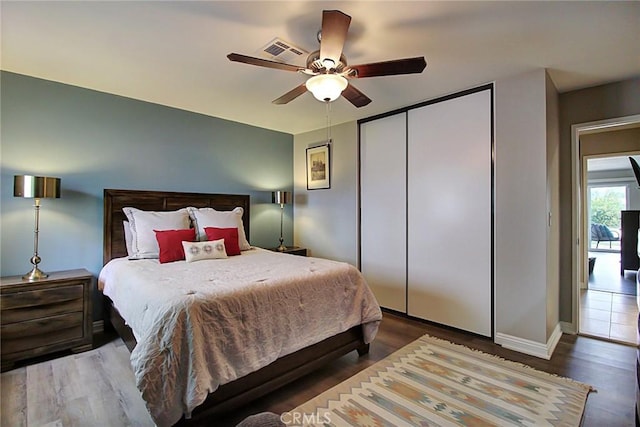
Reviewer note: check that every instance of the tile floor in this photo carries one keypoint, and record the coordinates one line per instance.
(609, 315)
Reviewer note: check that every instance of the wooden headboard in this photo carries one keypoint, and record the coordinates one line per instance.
(114, 200)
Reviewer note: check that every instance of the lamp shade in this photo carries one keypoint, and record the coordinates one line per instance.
(36, 187)
(326, 87)
(281, 197)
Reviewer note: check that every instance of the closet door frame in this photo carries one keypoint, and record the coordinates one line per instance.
(491, 88)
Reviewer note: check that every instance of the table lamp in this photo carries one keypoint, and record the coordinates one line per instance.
(36, 187)
(281, 197)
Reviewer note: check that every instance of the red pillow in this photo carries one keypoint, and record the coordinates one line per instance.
(230, 236)
(170, 243)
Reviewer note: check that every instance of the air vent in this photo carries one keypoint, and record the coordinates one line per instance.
(283, 51)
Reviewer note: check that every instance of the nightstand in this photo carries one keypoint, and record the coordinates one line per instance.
(293, 250)
(45, 316)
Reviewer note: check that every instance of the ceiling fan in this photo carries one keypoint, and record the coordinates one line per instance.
(328, 66)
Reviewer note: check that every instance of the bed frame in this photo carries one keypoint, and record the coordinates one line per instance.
(249, 387)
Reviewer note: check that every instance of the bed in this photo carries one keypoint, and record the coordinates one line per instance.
(238, 384)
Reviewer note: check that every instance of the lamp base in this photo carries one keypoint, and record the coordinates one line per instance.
(281, 248)
(35, 274)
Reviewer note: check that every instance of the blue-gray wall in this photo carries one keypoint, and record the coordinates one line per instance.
(92, 141)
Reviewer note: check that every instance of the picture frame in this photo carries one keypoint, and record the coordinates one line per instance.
(318, 167)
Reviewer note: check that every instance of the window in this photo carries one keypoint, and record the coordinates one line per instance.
(605, 204)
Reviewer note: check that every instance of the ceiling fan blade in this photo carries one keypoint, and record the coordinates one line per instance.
(355, 97)
(389, 68)
(236, 57)
(291, 95)
(335, 25)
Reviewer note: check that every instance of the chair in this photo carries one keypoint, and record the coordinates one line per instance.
(602, 233)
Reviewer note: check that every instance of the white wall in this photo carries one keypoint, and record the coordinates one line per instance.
(521, 207)
(553, 205)
(325, 221)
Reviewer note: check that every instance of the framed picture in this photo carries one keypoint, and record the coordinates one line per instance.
(318, 168)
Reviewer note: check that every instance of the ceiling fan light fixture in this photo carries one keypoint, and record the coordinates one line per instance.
(327, 87)
(329, 66)
(329, 63)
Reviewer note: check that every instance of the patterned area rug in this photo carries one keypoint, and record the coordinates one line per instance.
(432, 382)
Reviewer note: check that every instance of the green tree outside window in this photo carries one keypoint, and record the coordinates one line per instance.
(606, 204)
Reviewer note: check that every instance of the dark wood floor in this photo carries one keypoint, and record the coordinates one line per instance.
(99, 385)
(609, 367)
(606, 274)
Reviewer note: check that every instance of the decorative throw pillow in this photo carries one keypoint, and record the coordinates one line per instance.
(196, 251)
(209, 217)
(606, 233)
(230, 236)
(142, 225)
(170, 243)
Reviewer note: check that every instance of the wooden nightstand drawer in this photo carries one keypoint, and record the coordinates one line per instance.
(48, 331)
(45, 316)
(27, 305)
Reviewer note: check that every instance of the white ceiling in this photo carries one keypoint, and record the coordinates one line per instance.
(174, 52)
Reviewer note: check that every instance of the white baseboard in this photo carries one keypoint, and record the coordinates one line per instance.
(533, 348)
(98, 327)
(568, 328)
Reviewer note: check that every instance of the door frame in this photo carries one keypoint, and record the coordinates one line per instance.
(578, 251)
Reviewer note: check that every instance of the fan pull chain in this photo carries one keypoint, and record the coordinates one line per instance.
(328, 122)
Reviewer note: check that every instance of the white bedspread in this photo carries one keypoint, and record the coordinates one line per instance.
(203, 324)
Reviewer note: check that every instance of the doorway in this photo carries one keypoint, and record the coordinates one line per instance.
(609, 184)
(604, 300)
(608, 307)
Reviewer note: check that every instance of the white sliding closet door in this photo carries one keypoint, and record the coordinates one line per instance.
(449, 212)
(383, 203)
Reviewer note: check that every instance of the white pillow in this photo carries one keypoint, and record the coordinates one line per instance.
(142, 225)
(196, 251)
(209, 217)
(128, 237)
